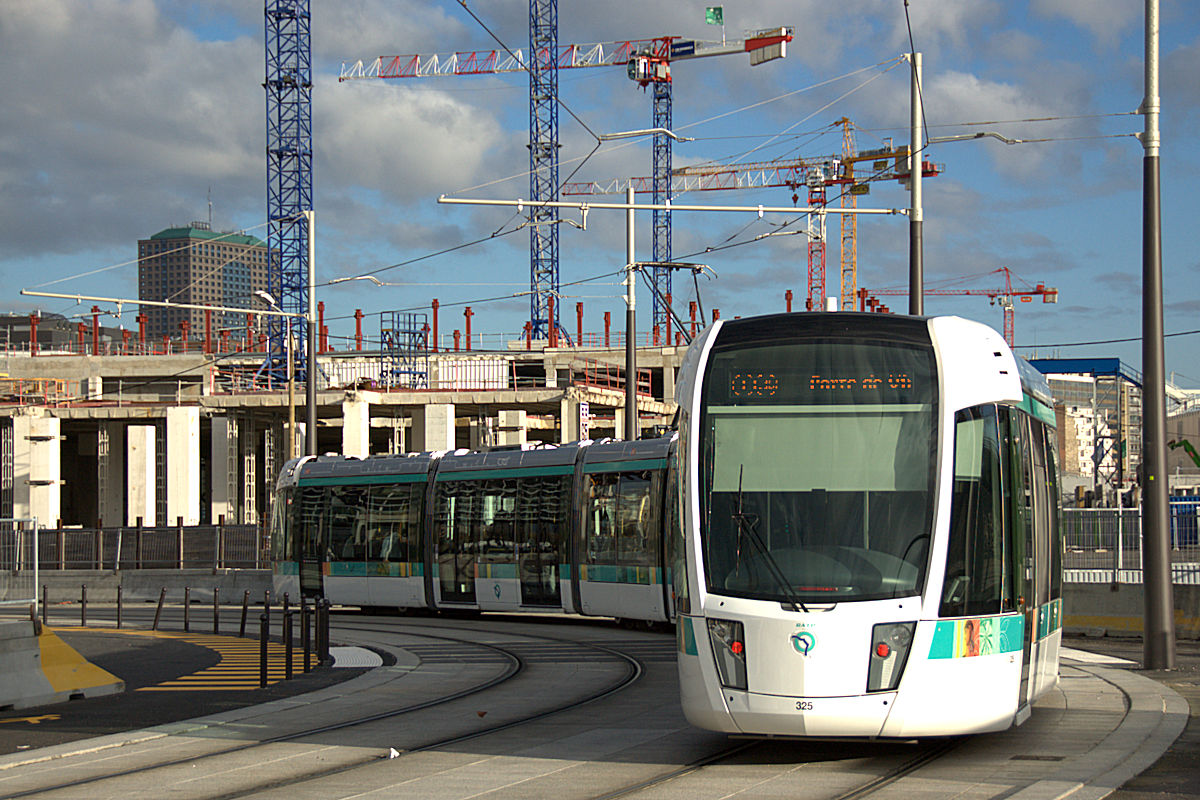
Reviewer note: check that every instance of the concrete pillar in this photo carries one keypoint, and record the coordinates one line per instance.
(95, 387)
(112, 501)
(433, 427)
(668, 382)
(36, 468)
(140, 474)
(226, 471)
(183, 458)
(512, 428)
(356, 428)
(568, 420)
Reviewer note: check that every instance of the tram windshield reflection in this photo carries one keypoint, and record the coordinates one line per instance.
(825, 452)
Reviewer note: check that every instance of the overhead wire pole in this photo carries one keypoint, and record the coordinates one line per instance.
(631, 420)
(1158, 644)
(916, 246)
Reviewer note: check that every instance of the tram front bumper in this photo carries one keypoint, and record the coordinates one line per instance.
(775, 715)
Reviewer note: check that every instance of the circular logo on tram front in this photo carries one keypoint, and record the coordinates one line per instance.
(804, 642)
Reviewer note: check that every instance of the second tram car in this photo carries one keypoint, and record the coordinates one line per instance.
(575, 528)
(868, 538)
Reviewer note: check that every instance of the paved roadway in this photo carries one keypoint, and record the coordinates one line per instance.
(1104, 724)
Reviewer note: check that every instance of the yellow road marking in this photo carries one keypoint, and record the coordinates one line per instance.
(33, 720)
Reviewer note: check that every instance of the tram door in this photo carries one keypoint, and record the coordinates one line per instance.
(456, 515)
(1020, 460)
(310, 542)
(542, 516)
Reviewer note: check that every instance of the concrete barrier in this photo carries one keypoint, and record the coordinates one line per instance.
(40, 668)
(1100, 609)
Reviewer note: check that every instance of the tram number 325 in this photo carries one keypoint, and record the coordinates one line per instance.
(804, 705)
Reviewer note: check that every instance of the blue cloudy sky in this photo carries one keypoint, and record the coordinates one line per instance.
(122, 116)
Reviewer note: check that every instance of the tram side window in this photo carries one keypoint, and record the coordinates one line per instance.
(346, 522)
(394, 522)
(974, 582)
(674, 538)
(1056, 542)
(307, 522)
(281, 527)
(620, 528)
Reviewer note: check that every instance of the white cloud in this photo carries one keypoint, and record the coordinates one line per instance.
(1106, 20)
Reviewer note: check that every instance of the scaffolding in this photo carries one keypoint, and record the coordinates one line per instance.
(404, 350)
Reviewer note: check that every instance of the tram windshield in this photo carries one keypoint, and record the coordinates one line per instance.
(818, 470)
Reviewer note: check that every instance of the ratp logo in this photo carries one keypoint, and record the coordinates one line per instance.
(804, 641)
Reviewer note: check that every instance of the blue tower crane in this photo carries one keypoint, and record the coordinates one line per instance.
(543, 166)
(289, 175)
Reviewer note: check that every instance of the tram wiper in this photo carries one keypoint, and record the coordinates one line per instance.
(745, 525)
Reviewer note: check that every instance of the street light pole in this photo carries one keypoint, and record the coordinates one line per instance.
(1158, 644)
(310, 384)
(631, 427)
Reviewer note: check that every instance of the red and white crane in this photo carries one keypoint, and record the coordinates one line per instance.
(1003, 295)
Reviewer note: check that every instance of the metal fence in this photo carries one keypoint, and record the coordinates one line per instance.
(194, 547)
(1105, 544)
(18, 561)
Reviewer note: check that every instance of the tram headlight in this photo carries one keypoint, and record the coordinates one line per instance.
(890, 643)
(728, 640)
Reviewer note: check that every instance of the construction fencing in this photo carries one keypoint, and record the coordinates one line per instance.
(18, 561)
(1105, 544)
(192, 547)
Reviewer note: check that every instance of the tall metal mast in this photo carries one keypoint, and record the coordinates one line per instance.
(543, 163)
(661, 220)
(289, 173)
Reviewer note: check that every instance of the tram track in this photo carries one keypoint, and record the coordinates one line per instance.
(516, 667)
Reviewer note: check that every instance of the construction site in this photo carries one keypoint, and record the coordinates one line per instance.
(188, 418)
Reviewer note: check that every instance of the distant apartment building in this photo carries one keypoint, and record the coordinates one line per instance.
(1104, 412)
(199, 266)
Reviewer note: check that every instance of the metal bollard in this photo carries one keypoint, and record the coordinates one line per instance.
(120, 604)
(286, 602)
(45, 604)
(245, 608)
(287, 645)
(267, 606)
(216, 610)
(323, 632)
(187, 609)
(306, 634)
(83, 606)
(162, 595)
(264, 631)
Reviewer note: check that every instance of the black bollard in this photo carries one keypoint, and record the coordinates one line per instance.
(162, 595)
(45, 604)
(323, 632)
(245, 608)
(187, 609)
(286, 602)
(267, 606)
(83, 606)
(306, 634)
(287, 645)
(264, 630)
(120, 605)
(216, 610)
